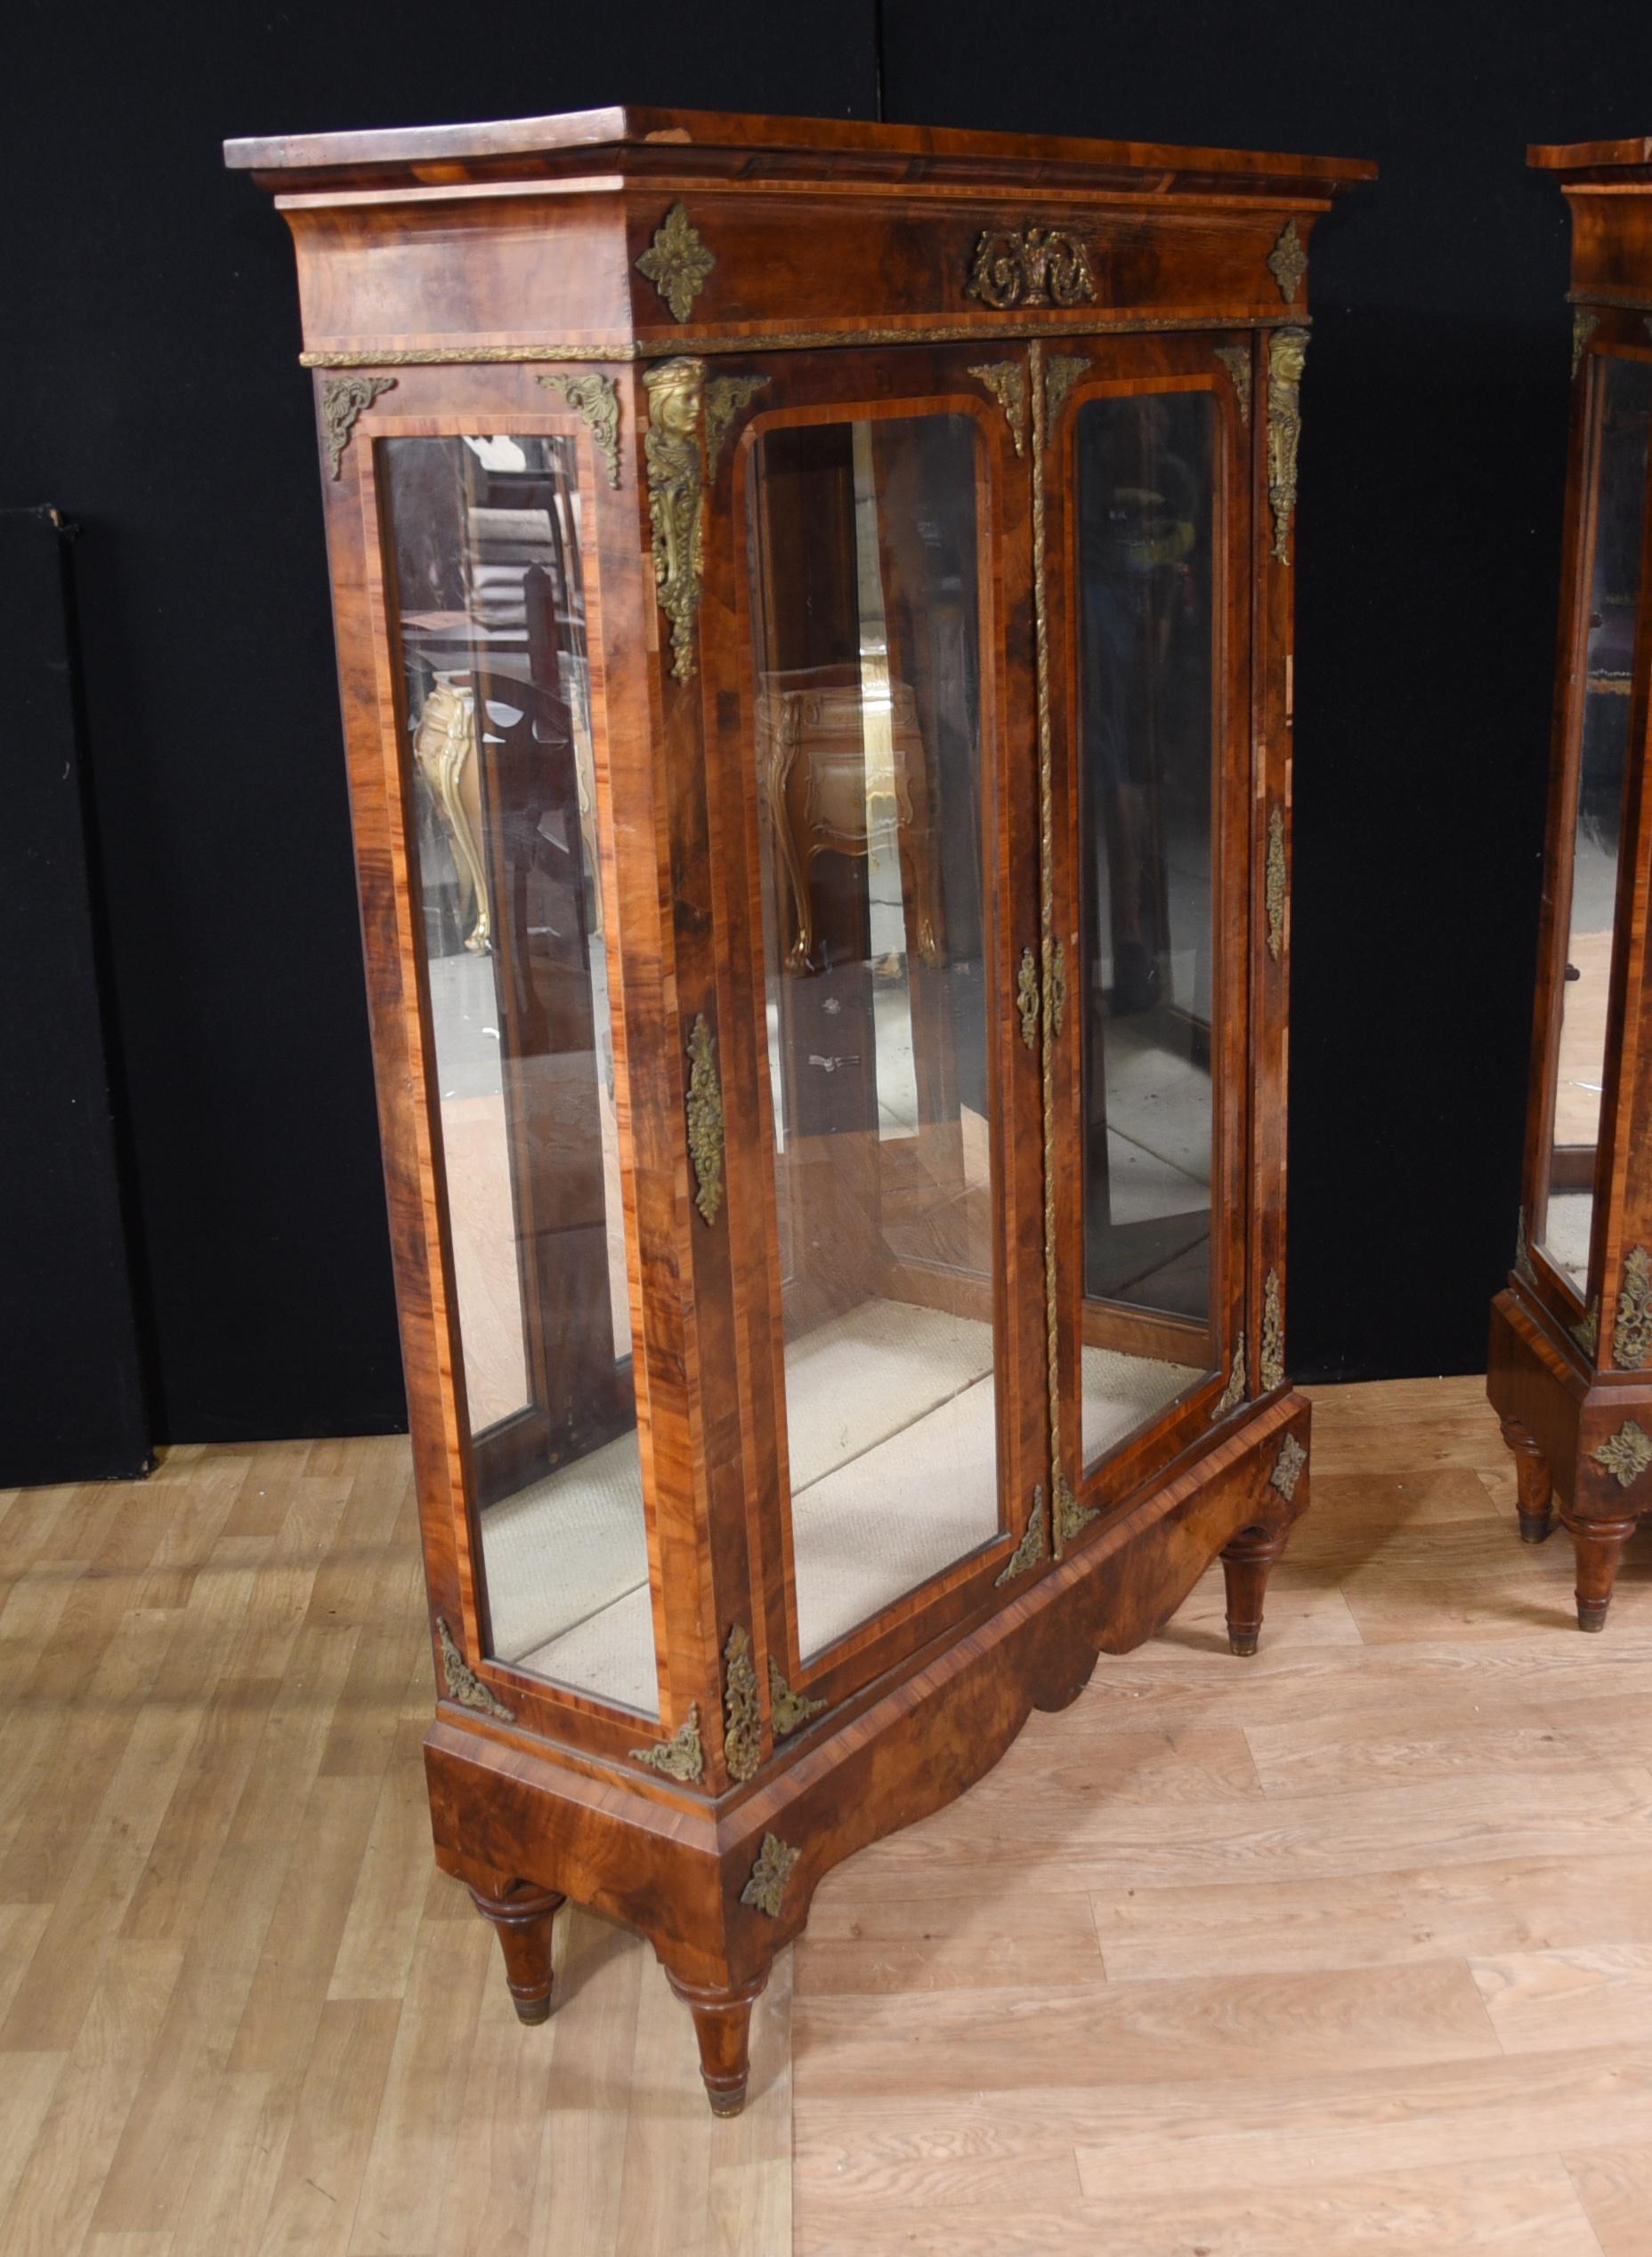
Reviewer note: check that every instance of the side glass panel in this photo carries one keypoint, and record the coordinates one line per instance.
(865, 608)
(1612, 573)
(1147, 676)
(488, 619)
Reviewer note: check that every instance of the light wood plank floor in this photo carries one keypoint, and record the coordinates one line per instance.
(1345, 1948)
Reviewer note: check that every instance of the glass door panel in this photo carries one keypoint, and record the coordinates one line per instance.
(1147, 664)
(1615, 527)
(865, 608)
(482, 540)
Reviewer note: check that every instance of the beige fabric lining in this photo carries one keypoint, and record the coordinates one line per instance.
(891, 1428)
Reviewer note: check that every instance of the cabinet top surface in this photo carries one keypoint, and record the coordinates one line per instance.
(736, 147)
(1591, 156)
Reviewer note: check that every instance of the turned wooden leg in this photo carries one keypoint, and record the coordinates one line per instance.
(521, 1920)
(1536, 1489)
(1600, 1546)
(1246, 1563)
(723, 2026)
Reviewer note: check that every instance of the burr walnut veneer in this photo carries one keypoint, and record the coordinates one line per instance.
(813, 620)
(1571, 1347)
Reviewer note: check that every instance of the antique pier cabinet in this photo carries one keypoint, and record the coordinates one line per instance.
(814, 617)
(1571, 1348)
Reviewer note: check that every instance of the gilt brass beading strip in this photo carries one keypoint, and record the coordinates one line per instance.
(1046, 894)
(978, 331)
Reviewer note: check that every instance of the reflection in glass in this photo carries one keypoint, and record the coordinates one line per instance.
(1148, 682)
(1617, 514)
(483, 542)
(875, 938)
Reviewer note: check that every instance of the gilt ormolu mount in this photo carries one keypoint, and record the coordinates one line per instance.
(833, 1130)
(1570, 1369)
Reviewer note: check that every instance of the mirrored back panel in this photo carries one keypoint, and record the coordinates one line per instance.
(1147, 655)
(876, 939)
(1614, 532)
(482, 547)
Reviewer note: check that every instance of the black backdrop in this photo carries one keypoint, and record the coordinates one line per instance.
(152, 394)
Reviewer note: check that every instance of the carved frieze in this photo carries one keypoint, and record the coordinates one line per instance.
(1031, 266)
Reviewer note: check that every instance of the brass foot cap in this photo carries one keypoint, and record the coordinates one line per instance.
(1590, 1620)
(1243, 1642)
(1534, 1527)
(532, 2010)
(726, 2103)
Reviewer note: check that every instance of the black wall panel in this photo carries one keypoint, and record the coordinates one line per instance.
(152, 389)
(1433, 460)
(155, 394)
(71, 1381)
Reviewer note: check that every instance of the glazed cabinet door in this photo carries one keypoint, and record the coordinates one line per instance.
(1587, 1047)
(1145, 578)
(869, 559)
(514, 1194)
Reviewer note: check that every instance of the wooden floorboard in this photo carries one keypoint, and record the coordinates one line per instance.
(240, 2011)
(1348, 1947)
(1372, 1912)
